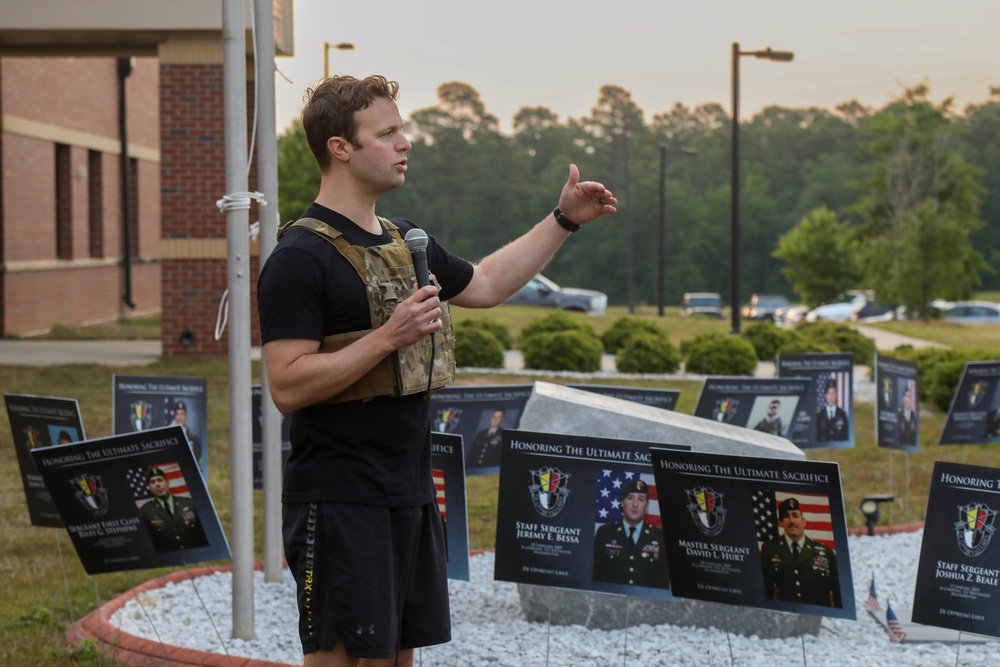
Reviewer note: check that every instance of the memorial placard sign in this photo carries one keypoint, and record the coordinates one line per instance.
(826, 418)
(41, 421)
(133, 501)
(449, 481)
(958, 574)
(480, 414)
(766, 404)
(974, 415)
(143, 402)
(580, 512)
(758, 532)
(897, 408)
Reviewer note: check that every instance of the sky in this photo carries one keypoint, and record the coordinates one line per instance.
(554, 54)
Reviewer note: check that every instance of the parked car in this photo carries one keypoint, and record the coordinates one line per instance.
(764, 306)
(871, 311)
(540, 291)
(840, 310)
(702, 303)
(973, 312)
(790, 316)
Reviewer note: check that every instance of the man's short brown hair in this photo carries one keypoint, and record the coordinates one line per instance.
(330, 107)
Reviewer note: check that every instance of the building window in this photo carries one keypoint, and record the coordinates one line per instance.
(64, 203)
(95, 204)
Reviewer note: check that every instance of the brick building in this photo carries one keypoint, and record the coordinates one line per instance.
(106, 214)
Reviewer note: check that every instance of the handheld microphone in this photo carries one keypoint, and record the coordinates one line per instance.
(416, 242)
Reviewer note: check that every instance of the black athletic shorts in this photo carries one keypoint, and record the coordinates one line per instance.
(374, 578)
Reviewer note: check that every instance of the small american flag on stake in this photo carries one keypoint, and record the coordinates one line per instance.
(871, 604)
(896, 632)
(439, 488)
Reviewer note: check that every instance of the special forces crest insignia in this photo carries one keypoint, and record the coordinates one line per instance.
(549, 490)
(91, 493)
(447, 420)
(141, 415)
(706, 510)
(33, 437)
(725, 410)
(976, 394)
(974, 528)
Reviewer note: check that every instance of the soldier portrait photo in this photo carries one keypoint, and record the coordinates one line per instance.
(170, 516)
(771, 422)
(797, 568)
(831, 418)
(486, 446)
(906, 415)
(630, 549)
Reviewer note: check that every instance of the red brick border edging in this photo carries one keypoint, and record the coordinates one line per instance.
(131, 650)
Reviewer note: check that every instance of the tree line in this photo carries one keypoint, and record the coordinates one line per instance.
(903, 200)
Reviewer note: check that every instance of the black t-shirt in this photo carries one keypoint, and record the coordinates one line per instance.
(376, 451)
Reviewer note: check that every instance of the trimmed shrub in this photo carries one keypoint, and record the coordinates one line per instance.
(842, 337)
(720, 354)
(557, 321)
(645, 352)
(943, 374)
(767, 339)
(803, 345)
(573, 350)
(476, 347)
(498, 330)
(624, 328)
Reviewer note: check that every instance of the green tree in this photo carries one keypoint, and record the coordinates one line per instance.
(982, 123)
(819, 257)
(298, 173)
(921, 206)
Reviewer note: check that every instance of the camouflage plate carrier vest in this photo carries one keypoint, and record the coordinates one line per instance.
(388, 274)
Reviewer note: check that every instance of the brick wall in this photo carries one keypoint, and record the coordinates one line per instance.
(192, 179)
(74, 102)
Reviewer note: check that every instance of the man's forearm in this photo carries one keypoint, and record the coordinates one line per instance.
(503, 272)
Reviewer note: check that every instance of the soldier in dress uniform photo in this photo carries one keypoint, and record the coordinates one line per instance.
(831, 419)
(181, 419)
(907, 419)
(171, 520)
(796, 567)
(631, 551)
(486, 446)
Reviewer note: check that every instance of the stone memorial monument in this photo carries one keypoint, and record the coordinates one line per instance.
(554, 408)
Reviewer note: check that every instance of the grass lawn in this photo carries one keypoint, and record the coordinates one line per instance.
(43, 593)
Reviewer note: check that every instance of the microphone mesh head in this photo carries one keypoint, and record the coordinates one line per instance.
(416, 239)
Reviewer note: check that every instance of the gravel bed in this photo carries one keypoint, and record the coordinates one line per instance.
(488, 627)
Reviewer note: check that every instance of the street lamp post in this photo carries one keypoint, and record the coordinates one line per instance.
(734, 230)
(661, 259)
(342, 46)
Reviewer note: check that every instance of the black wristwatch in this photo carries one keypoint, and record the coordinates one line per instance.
(563, 221)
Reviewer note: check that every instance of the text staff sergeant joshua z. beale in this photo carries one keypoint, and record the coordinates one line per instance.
(348, 348)
(630, 551)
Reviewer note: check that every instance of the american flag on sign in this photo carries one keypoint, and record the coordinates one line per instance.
(815, 510)
(609, 485)
(136, 478)
(439, 489)
(871, 604)
(896, 632)
(842, 380)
